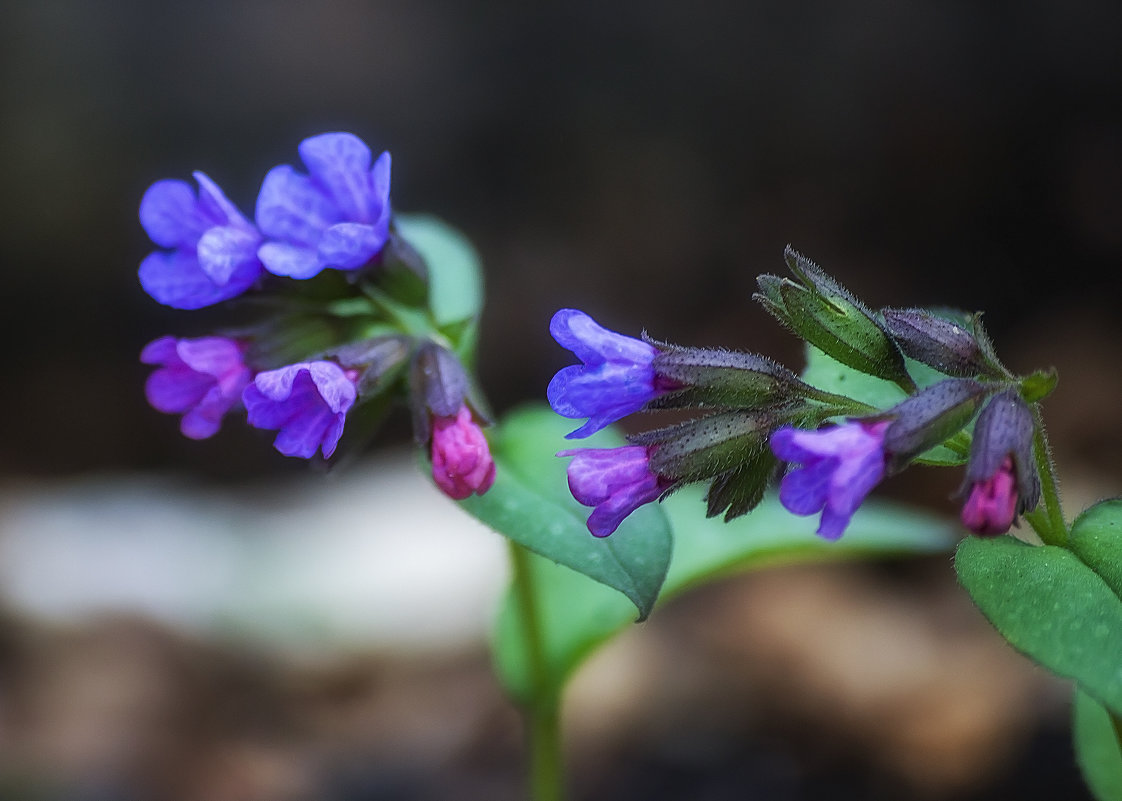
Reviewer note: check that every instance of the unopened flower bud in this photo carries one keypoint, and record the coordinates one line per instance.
(723, 378)
(828, 316)
(1001, 475)
(461, 458)
(937, 342)
(928, 418)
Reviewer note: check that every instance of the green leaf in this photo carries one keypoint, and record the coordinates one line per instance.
(1050, 606)
(1096, 538)
(578, 614)
(530, 503)
(1097, 747)
(831, 375)
(455, 275)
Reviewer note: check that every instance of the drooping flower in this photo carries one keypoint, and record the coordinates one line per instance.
(307, 403)
(616, 378)
(992, 505)
(840, 466)
(337, 215)
(212, 252)
(461, 459)
(616, 481)
(201, 379)
(1001, 474)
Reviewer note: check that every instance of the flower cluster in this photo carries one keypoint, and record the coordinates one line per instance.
(350, 327)
(759, 421)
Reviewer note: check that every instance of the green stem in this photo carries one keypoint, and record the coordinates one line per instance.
(1047, 521)
(542, 709)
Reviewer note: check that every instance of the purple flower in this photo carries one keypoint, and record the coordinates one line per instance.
(616, 481)
(307, 403)
(840, 466)
(461, 460)
(338, 215)
(616, 379)
(213, 248)
(201, 379)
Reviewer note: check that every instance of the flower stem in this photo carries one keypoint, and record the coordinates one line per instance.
(1047, 521)
(542, 708)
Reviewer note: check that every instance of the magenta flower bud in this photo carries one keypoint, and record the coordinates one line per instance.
(213, 254)
(306, 403)
(616, 378)
(337, 215)
(992, 505)
(201, 379)
(1001, 475)
(461, 460)
(840, 466)
(616, 481)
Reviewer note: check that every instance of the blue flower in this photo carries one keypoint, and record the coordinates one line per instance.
(307, 403)
(213, 248)
(840, 466)
(616, 378)
(338, 215)
(616, 481)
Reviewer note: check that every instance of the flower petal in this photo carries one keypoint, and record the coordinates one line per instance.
(293, 208)
(348, 246)
(170, 215)
(804, 491)
(175, 279)
(340, 162)
(224, 250)
(215, 206)
(291, 261)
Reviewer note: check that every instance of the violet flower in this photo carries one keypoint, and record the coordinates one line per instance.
(840, 466)
(461, 460)
(616, 481)
(307, 403)
(213, 248)
(201, 379)
(338, 215)
(616, 378)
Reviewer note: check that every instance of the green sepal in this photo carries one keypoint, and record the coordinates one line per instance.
(1039, 385)
(828, 316)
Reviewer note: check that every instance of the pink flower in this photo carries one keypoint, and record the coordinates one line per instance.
(992, 504)
(461, 460)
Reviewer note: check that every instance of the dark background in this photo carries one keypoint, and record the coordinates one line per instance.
(642, 161)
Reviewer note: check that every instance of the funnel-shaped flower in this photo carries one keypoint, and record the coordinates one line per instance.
(461, 460)
(201, 379)
(213, 248)
(616, 481)
(840, 466)
(616, 379)
(307, 403)
(338, 215)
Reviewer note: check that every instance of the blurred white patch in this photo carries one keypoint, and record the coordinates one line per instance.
(375, 556)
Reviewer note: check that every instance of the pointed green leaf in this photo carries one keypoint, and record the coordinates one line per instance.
(530, 503)
(1097, 747)
(1050, 606)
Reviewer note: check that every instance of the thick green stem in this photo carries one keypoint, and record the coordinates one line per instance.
(542, 709)
(1048, 519)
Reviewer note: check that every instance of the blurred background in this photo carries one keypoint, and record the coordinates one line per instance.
(185, 620)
